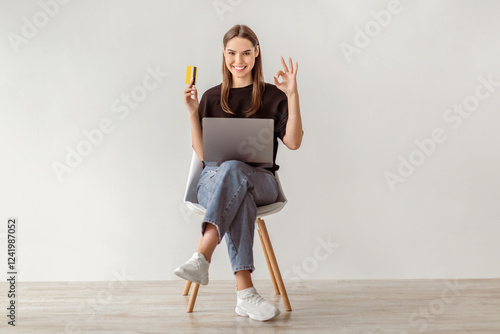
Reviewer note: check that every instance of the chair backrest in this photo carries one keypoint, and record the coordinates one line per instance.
(191, 198)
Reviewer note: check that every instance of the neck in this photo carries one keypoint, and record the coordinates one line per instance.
(241, 82)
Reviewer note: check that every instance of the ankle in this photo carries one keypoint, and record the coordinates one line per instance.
(243, 287)
(208, 258)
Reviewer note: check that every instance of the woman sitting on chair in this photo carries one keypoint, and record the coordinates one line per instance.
(232, 191)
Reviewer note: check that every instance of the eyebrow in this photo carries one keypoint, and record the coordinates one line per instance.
(241, 51)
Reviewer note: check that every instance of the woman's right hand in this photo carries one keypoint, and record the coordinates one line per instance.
(192, 106)
(191, 98)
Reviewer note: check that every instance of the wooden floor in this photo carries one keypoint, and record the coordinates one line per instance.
(367, 307)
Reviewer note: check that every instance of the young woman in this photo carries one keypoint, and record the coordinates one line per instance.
(232, 191)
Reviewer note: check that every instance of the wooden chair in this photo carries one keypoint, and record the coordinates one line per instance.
(191, 200)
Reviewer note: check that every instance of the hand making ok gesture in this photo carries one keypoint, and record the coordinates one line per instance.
(288, 83)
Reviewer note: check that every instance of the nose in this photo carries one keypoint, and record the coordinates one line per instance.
(238, 59)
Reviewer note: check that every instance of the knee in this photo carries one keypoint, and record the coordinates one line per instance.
(231, 165)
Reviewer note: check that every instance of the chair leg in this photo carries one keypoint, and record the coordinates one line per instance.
(274, 263)
(187, 286)
(269, 267)
(196, 286)
(192, 298)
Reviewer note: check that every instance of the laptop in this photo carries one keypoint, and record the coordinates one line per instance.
(245, 139)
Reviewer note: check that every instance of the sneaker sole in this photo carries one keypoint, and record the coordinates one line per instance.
(188, 277)
(243, 313)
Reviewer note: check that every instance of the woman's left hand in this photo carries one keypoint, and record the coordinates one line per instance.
(288, 83)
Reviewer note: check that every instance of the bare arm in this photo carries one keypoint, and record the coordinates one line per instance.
(293, 134)
(192, 105)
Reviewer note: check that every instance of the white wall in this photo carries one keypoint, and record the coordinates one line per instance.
(120, 209)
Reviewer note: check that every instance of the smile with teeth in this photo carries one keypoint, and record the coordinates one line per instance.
(239, 68)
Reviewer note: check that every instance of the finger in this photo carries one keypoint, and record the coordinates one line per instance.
(190, 92)
(284, 65)
(291, 64)
(276, 82)
(296, 67)
(191, 83)
(280, 73)
(190, 97)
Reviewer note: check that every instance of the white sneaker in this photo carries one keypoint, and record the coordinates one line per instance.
(251, 304)
(195, 269)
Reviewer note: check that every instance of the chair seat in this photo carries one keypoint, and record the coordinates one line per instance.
(262, 211)
(191, 198)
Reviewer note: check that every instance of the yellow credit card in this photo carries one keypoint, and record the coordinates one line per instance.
(190, 74)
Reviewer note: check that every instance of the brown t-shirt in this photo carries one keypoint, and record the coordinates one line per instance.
(274, 106)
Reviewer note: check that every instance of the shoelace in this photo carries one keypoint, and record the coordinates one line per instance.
(255, 298)
(195, 261)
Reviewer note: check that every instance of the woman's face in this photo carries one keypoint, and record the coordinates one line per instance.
(240, 57)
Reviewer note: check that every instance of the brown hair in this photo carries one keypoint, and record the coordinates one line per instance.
(259, 85)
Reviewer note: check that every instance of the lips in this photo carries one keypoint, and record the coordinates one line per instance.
(239, 68)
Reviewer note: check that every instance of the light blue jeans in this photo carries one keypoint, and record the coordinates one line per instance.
(231, 194)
